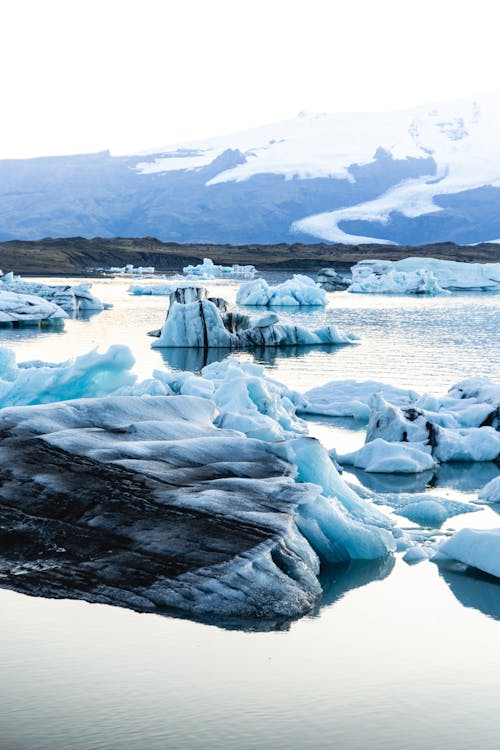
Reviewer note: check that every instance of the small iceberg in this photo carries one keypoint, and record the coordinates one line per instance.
(27, 309)
(194, 320)
(476, 548)
(297, 291)
(331, 281)
(208, 271)
(73, 299)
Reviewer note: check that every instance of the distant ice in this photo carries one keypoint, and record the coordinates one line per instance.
(297, 291)
(208, 270)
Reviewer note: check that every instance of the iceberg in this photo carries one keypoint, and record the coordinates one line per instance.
(130, 270)
(351, 398)
(204, 323)
(72, 299)
(381, 456)
(331, 281)
(297, 291)
(423, 276)
(28, 309)
(491, 491)
(208, 270)
(476, 548)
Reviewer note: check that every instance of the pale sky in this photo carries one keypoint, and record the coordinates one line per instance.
(128, 75)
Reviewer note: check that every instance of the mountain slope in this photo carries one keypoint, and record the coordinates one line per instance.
(428, 174)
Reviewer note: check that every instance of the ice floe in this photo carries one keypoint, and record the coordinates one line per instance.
(491, 492)
(294, 292)
(209, 270)
(477, 548)
(28, 309)
(71, 298)
(423, 276)
(351, 398)
(331, 281)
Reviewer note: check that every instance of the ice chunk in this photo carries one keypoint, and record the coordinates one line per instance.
(476, 548)
(208, 270)
(91, 374)
(491, 491)
(351, 398)
(72, 299)
(380, 456)
(299, 290)
(26, 309)
(331, 281)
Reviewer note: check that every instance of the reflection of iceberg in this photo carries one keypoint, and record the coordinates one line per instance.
(466, 477)
(475, 590)
(336, 581)
(192, 360)
(393, 482)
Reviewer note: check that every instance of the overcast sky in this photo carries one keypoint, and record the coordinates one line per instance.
(127, 75)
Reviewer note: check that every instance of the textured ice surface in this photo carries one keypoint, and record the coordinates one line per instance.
(202, 325)
(423, 276)
(351, 398)
(299, 290)
(91, 374)
(491, 492)
(72, 298)
(381, 456)
(27, 309)
(209, 270)
(476, 548)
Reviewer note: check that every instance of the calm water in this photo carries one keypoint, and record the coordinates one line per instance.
(395, 657)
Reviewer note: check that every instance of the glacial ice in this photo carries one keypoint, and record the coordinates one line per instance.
(27, 309)
(204, 323)
(72, 299)
(491, 491)
(475, 548)
(351, 398)
(423, 276)
(208, 270)
(90, 375)
(331, 281)
(299, 290)
(381, 456)
(130, 270)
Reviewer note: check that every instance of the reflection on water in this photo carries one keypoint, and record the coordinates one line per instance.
(336, 581)
(392, 482)
(475, 589)
(194, 360)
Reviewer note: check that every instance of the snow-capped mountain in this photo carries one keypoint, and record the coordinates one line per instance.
(427, 174)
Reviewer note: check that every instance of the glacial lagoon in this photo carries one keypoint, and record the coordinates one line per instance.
(395, 656)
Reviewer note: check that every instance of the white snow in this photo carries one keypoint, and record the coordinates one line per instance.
(423, 276)
(461, 136)
(299, 290)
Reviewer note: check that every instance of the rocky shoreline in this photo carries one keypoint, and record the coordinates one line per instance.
(80, 256)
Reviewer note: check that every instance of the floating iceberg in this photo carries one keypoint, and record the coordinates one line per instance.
(130, 270)
(299, 290)
(423, 276)
(331, 281)
(27, 309)
(474, 548)
(208, 270)
(381, 456)
(491, 491)
(72, 299)
(158, 290)
(204, 323)
(351, 398)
